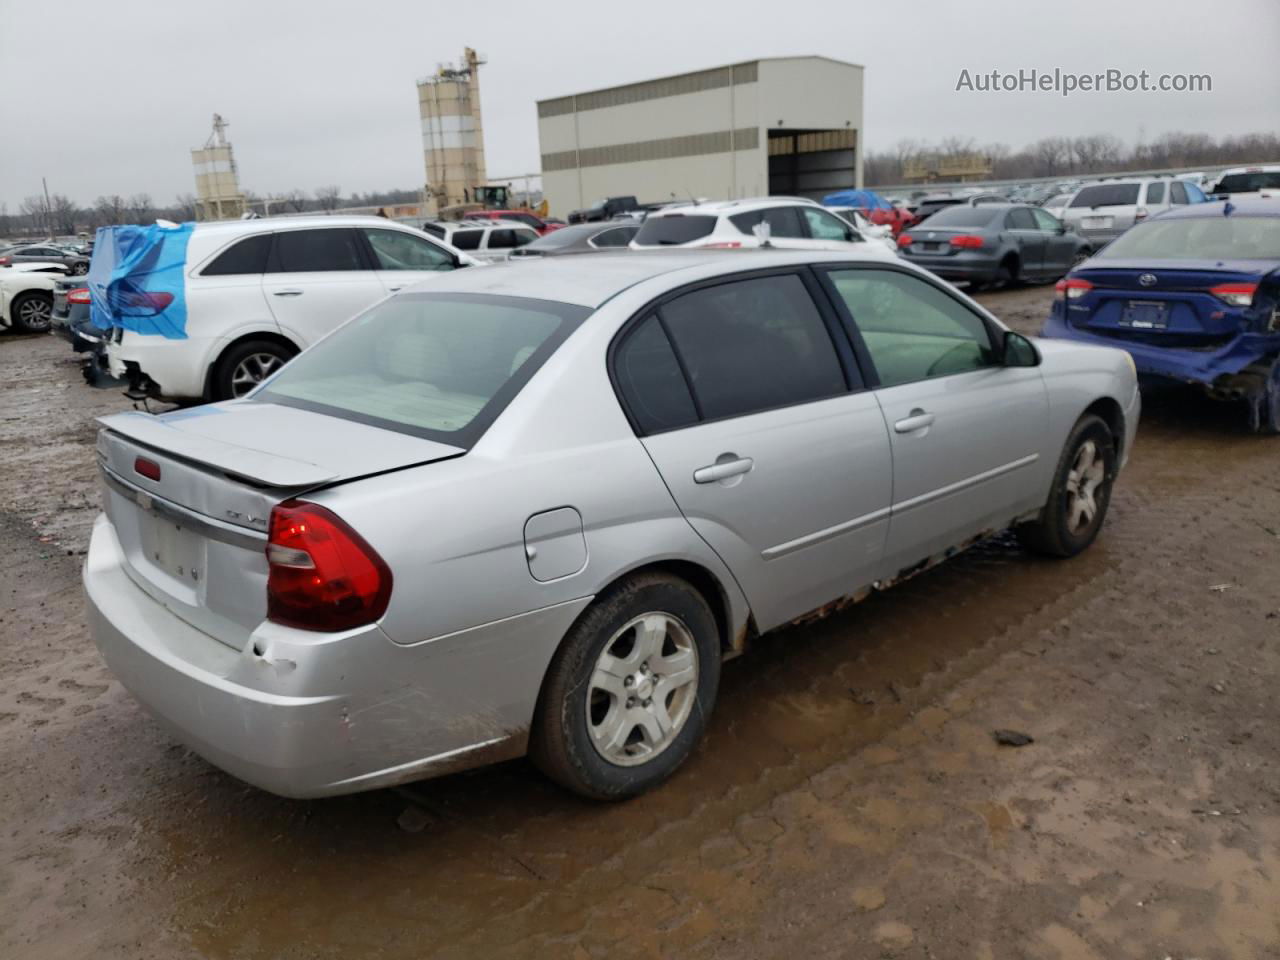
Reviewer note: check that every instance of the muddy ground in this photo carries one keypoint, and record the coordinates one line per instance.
(848, 802)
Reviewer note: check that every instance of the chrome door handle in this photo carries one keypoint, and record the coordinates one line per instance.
(916, 420)
(287, 293)
(723, 471)
(395, 289)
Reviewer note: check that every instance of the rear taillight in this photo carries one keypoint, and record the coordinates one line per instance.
(968, 241)
(1073, 287)
(5, 261)
(1236, 294)
(722, 245)
(78, 296)
(146, 300)
(1140, 213)
(904, 240)
(323, 575)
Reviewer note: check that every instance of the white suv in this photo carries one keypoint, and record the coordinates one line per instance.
(259, 291)
(786, 223)
(488, 240)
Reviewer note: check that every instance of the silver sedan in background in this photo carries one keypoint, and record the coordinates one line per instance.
(531, 508)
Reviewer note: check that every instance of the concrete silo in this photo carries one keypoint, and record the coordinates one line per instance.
(452, 134)
(218, 195)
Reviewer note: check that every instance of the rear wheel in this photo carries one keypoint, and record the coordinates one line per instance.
(79, 268)
(246, 365)
(32, 312)
(1081, 493)
(628, 693)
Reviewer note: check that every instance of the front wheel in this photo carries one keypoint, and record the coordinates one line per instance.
(627, 696)
(32, 312)
(246, 365)
(1080, 495)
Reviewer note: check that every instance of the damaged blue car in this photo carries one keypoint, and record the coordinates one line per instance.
(1193, 295)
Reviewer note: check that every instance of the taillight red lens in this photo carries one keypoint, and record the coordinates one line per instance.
(967, 241)
(5, 261)
(78, 296)
(323, 575)
(147, 468)
(1236, 294)
(1073, 287)
(904, 240)
(145, 299)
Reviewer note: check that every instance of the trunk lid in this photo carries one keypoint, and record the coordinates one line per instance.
(1171, 305)
(190, 495)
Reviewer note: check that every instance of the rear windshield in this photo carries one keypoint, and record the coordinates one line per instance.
(1199, 238)
(1107, 195)
(963, 216)
(565, 237)
(441, 366)
(675, 229)
(1248, 182)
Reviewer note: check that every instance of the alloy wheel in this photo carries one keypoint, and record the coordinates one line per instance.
(1083, 482)
(643, 689)
(35, 313)
(252, 370)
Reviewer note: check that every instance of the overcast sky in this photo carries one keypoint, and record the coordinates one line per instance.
(109, 97)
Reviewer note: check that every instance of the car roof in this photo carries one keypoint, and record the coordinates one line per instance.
(267, 224)
(1256, 168)
(1240, 207)
(726, 207)
(593, 278)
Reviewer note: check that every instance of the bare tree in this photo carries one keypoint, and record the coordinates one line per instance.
(327, 197)
(186, 206)
(63, 212)
(140, 207)
(110, 210)
(295, 200)
(5, 225)
(36, 211)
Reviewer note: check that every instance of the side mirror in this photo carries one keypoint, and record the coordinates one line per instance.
(1018, 351)
(1062, 229)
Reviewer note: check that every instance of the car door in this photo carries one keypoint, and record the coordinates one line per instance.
(317, 278)
(401, 258)
(966, 431)
(1059, 245)
(745, 395)
(1021, 227)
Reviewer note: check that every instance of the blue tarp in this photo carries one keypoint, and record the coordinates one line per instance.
(137, 279)
(862, 199)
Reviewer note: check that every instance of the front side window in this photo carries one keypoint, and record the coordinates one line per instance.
(650, 382)
(753, 345)
(824, 226)
(912, 330)
(397, 250)
(435, 365)
(246, 256)
(315, 251)
(1046, 221)
(1177, 192)
(467, 239)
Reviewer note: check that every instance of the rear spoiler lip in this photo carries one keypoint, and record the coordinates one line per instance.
(256, 466)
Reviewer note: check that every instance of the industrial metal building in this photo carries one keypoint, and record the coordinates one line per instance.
(782, 125)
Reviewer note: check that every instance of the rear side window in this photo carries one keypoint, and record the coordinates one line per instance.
(617, 237)
(245, 256)
(316, 251)
(782, 221)
(467, 239)
(650, 382)
(674, 230)
(434, 229)
(1106, 195)
(507, 239)
(1155, 193)
(753, 345)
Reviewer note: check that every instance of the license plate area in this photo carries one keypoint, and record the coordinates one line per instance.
(1097, 223)
(930, 246)
(171, 550)
(1144, 315)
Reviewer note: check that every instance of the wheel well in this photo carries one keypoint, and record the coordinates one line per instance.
(702, 580)
(1112, 416)
(1012, 261)
(266, 335)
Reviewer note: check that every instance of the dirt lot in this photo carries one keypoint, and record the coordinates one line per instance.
(849, 801)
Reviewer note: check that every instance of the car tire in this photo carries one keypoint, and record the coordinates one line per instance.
(597, 730)
(32, 312)
(79, 269)
(1080, 493)
(246, 364)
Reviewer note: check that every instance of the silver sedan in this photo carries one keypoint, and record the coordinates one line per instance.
(530, 509)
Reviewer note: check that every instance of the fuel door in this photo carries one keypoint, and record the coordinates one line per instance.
(554, 544)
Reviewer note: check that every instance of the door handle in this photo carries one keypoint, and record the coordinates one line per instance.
(395, 289)
(287, 293)
(916, 420)
(723, 470)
